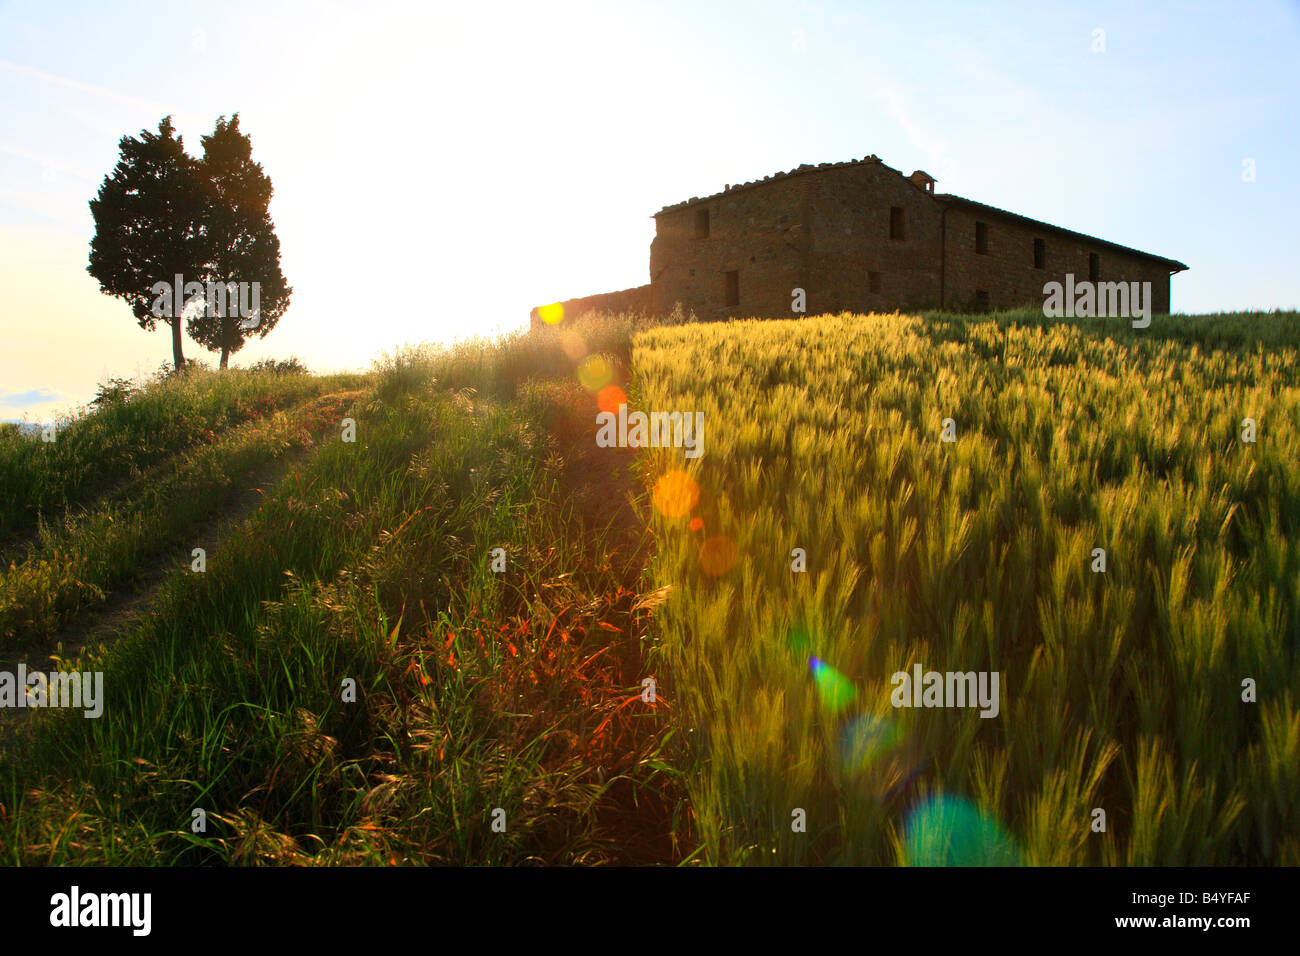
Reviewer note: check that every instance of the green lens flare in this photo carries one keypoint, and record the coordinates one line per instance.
(951, 831)
(835, 690)
(865, 740)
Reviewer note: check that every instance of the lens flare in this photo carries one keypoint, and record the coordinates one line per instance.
(574, 345)
(799, 643)
(865, 741)
(697, 524)
(676, 494)
(951, 831)
(877, 757)
(552, 314)
(609, 398)
(594, 372)
(718, 555)
(835, 690)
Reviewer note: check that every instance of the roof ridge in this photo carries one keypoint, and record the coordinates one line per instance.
(953, 197)
(800, 170)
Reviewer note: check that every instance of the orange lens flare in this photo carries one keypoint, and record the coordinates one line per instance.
(676, 494)
(718, 555)
(609, 398)
(575, 347)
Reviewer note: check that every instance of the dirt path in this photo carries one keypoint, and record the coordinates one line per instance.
(639, 808)
(123, 609)
(126, 608)
(15, 541)
(102, 625)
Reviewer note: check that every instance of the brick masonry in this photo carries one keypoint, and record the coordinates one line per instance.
(860, 237)
(640, 300)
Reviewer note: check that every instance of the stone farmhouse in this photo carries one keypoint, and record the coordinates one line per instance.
(861, 237)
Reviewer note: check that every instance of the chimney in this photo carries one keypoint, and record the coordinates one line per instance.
(923, 180)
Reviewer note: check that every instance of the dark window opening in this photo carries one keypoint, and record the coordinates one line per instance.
(873, 282)
(701, 224)
(895, 222)
(1040, 254)
(981, 300)
(732, 291)
(1094, 266)
(981, 238)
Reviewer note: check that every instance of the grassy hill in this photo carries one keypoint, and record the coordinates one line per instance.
(367, 561)
(497, 589)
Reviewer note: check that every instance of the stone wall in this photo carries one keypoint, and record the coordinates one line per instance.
(1006, 272)
(823, 229)
(762, 235)
(826, 229)
(640, 300)
(851, 239)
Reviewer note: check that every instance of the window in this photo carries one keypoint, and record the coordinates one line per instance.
(732, 290)
(873, 282)
(1094, 266)
(1040, 254)
(895, 222)
(701, 224)
(982, 238)
(981, 300)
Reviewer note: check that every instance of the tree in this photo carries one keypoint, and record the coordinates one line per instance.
(239, 243)
(147, 225)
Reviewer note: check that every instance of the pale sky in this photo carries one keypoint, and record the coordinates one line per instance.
(441, 168)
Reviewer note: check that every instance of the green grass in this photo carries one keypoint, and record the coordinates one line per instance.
(477, 690)
(114, 445)
(521, 690)
(74, 563)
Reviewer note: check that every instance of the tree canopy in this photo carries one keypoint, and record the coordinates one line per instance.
(163, 214)
(239, 241)
(147, 224)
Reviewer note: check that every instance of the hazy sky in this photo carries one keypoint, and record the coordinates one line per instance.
(441, 168)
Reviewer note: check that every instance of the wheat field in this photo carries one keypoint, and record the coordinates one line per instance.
(1161, 691)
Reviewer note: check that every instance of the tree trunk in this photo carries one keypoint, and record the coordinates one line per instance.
(177, 356)
(228, 340)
